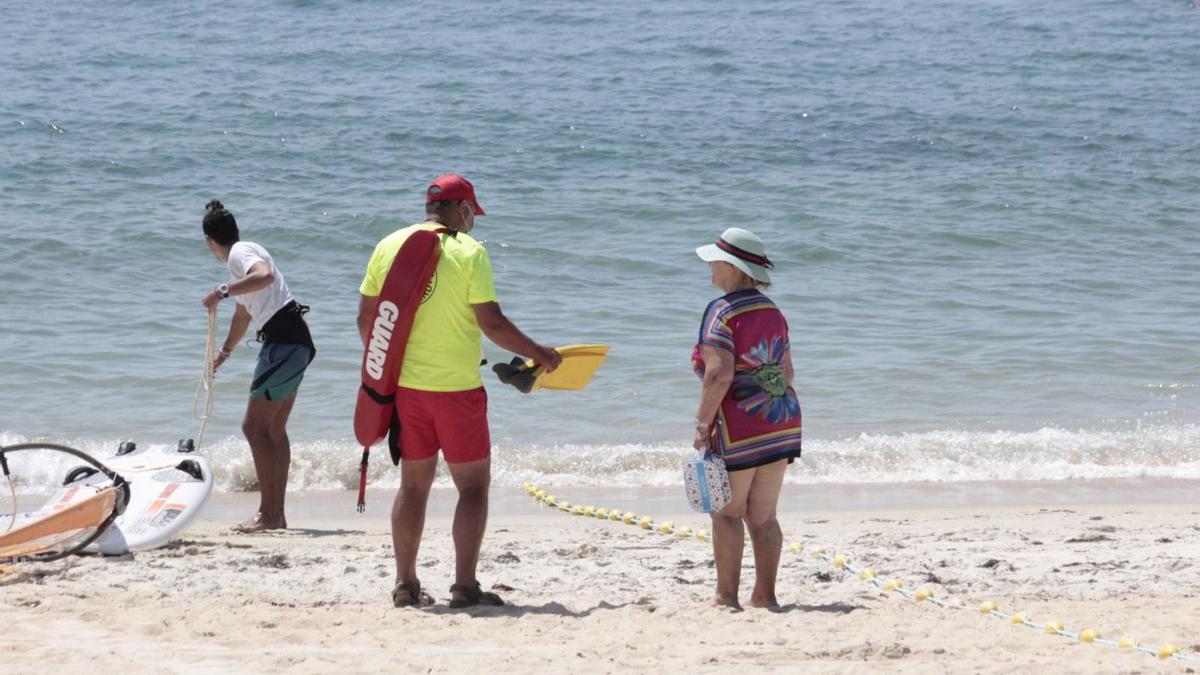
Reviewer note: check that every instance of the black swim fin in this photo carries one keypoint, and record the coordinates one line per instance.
(517, 374)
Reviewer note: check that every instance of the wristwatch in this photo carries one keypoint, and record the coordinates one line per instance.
(701, 426)
(223, 291)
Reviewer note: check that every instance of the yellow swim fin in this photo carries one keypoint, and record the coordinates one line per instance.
(579, 363)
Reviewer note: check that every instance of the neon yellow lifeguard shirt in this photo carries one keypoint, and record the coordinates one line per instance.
(445, 346)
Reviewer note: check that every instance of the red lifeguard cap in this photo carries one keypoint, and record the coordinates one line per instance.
(451, 187)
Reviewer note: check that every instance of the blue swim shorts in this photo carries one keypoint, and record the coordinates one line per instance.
(279, 371)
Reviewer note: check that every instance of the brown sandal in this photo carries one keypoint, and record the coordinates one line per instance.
(416, 597)
(473, 595)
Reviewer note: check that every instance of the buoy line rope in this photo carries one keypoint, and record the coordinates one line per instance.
(205, 386)
(842, 561)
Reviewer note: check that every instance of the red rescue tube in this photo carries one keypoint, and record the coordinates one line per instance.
(383, 354)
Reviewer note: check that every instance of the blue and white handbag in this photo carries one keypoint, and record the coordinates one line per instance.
(706, 482)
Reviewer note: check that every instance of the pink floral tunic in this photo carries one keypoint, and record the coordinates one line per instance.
(759, 419)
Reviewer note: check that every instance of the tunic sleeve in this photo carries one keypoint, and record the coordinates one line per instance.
(714, 329)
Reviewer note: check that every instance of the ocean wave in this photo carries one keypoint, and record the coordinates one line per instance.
(948, 455)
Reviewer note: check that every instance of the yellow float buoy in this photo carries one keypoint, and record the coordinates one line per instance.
(987, 607)
(645, 522)
(1167, 651)
(1127, 643)
(1089, 636)
(1054, 627)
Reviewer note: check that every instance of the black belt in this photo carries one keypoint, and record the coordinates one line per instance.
(287, 326)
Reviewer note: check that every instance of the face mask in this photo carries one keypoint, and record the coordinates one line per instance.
(468, 219)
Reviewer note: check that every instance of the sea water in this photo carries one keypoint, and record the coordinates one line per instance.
(984, 216)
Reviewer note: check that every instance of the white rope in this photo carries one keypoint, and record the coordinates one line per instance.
(12, 520)
(206, 378)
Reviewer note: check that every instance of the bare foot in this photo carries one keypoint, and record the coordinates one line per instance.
(260, 523)
(764, 603)
(722, 601)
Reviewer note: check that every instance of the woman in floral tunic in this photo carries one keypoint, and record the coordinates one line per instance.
(748, 412)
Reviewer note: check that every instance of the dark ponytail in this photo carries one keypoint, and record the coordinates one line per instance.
(219, 224)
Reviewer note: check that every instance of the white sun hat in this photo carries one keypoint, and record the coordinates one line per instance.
(742, 249)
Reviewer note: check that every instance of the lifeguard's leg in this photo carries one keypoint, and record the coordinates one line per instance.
(408, 514)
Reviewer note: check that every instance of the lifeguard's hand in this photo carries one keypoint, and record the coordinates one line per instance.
(548, 358)
(700, 442)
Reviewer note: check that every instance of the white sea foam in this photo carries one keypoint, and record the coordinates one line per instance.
(1044, 454)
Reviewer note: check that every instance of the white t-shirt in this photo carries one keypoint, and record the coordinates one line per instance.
(262, 304)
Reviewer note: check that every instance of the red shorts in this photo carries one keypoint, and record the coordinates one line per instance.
(455, 421)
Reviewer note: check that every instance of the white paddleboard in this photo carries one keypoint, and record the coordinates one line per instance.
(169, 485)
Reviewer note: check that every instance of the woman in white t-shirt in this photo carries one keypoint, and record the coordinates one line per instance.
(265, 303)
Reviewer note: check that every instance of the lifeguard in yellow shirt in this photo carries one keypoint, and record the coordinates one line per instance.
(440, 400)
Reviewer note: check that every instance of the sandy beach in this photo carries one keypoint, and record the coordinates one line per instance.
(979, 221)
(603, 597)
